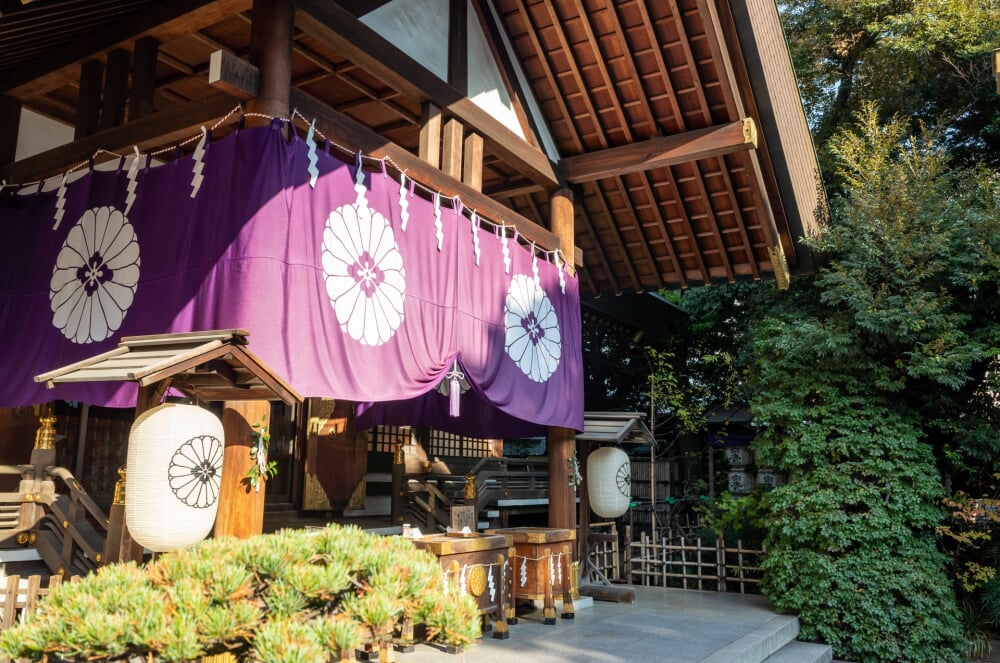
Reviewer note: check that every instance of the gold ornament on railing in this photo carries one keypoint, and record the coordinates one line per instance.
(471, 492)
(397, 454)
(45, 436)
(120, 487)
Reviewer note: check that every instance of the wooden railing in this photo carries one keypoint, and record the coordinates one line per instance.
(19, 597)
(430, 496)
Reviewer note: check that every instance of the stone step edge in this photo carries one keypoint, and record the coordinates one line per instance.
(756, 646)
(802, 652)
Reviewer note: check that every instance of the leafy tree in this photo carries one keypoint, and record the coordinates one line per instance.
(855, 372)
(928, 60)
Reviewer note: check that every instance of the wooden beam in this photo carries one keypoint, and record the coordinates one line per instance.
(163, 20)
(451, 148)
(458, 45)
(88, 103)
(161, 128)
(429, 148)
(996, 68)
(144, 59)
(340, 30)
(662, 151)
(230, 74)
(241, 508)
(352, 133)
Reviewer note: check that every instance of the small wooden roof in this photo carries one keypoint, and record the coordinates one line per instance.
(615, 428)
(209, 366)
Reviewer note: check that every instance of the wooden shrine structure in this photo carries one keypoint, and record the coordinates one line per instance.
(661, 143)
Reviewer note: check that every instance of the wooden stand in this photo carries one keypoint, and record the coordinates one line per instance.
(542, 560)
(480, 563)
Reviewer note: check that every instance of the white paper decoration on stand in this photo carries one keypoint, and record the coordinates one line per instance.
(172, 476)
(609, 480)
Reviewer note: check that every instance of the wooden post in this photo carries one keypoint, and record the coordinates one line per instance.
(115, 88)
(398, 500)
(271, 39)
(143, 77)
(88, 101)
(429, 149)
(10, 118)
(583, 536)
(241, 507)
(562, 441)
(451, 148)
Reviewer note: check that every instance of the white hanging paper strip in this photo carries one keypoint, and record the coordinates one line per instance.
(534, 267)
(562, 272)
(133, 181)
(506, 250)
(559, 568)
(447, 585)
(552, 569)
(461, 578)
(199, 163)
(524, 571)
(311, 155)
(359, 183)
(475, 236)
(438, 226)
(492, 583)
(404, 202)
(60, 201)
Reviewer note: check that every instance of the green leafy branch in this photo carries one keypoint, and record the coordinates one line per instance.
(261, 468)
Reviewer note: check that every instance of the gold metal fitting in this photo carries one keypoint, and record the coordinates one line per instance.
(397, 454)
(32, 537)
(65, 524)
(471, 492)
(45, 436)
(22, 538)
(119, 497)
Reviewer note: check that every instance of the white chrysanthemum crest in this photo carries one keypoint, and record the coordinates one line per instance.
(133, 180)
(438, 226)
(199, 163)
(404, 202)
(475, 236)
(311, 155)
(60, 201)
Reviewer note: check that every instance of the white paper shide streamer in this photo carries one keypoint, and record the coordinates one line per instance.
(199, 163)
(311, 156)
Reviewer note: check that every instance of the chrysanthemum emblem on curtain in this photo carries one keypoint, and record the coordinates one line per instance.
(364, 273)
(94, 279)
(532, 337)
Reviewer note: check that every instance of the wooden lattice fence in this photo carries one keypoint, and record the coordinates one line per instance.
(19, 596)
(691, 563)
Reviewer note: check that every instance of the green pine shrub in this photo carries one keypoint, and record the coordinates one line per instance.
(297, 595)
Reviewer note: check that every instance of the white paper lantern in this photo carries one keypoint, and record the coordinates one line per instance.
(609, 481)
(172, 476)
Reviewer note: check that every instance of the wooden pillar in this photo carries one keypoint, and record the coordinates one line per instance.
(140, 97)
(458, 45)
(451, 148)
(583, 536)
(10, 119)
(271, 39)
(472, 161)
(429, 149)
(241, 507)
(562, 441)
(115, 88)
(88, 101)
(397, 503)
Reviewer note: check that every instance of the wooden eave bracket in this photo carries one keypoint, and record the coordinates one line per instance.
(662, 151)
(779, 266)
(996, 68)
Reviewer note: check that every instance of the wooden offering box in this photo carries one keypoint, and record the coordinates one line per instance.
(541, 568)
(479, 562)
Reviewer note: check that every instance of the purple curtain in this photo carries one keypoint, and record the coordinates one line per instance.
(358, 290)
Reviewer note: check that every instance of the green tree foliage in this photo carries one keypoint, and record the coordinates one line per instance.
(928, 60)
(855, 372)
